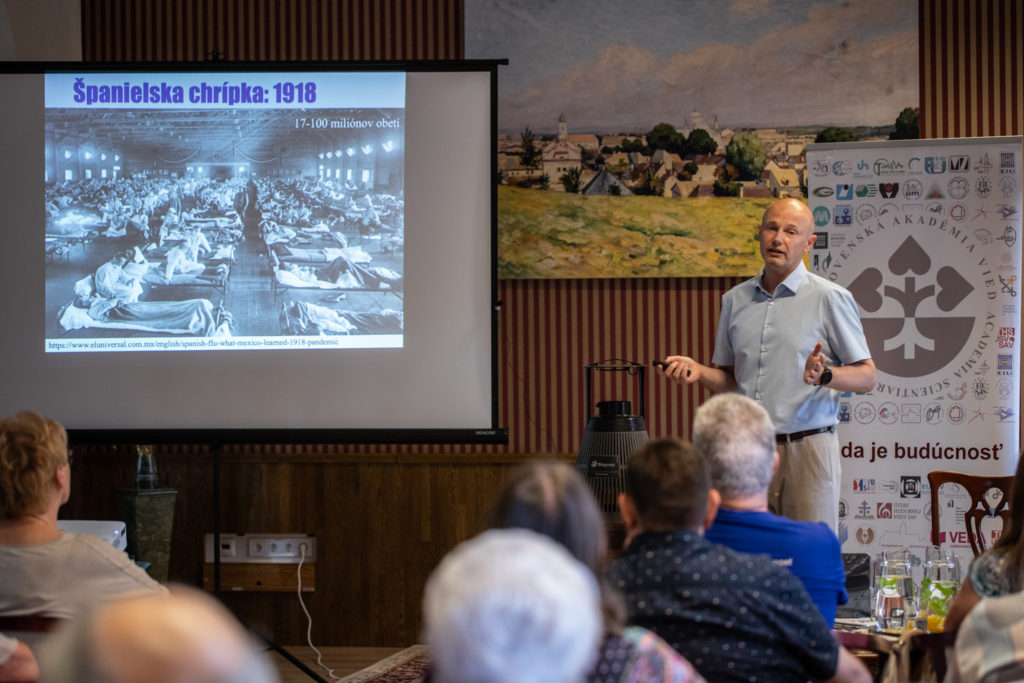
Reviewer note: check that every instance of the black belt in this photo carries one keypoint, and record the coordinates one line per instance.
(797, 436)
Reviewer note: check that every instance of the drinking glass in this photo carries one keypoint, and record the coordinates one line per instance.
(939, 585)
(894, 600)
(145, 468)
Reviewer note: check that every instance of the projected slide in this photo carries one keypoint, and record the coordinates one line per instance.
(204, 211)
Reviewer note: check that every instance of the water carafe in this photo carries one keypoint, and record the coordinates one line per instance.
(894, 597)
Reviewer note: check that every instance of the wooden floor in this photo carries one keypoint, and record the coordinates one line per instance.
(343, 660)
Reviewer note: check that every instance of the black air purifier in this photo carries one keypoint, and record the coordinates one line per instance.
(609, 437)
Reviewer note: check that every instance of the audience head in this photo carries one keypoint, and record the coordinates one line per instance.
(550, 498)
(737, 438)
(511, 605)
(668, 486)
(184, 637)
(33, 450)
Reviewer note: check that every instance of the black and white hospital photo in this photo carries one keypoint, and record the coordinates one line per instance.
(243, 228)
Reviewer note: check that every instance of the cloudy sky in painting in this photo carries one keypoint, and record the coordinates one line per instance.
(626, 65)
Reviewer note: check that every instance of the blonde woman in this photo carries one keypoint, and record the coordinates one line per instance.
(48, 572)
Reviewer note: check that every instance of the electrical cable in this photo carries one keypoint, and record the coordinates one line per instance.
(309, 619)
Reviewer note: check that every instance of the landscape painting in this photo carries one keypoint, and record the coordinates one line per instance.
(645, 139)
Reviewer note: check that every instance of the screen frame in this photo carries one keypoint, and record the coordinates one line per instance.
(486, 434)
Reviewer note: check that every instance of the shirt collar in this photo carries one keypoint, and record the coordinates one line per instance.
(665, 537)
(792, 281)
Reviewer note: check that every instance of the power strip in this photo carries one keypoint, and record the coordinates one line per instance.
(263, 548)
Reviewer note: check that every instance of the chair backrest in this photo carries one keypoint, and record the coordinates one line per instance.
(990, 497)
(920, 656)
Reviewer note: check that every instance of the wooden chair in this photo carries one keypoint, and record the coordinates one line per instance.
(872, 649)
(920, 656)
(990, 497)
(911, 656)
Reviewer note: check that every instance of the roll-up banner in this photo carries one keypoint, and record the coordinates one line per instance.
(926, 236)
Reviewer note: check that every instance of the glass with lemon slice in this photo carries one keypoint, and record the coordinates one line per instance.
(939, 585)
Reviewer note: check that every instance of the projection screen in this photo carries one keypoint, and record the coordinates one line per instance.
(251, 253)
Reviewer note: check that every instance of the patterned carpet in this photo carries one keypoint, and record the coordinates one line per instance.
(407, 666)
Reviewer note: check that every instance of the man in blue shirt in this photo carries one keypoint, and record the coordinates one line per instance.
(736, 437)
(792, 341)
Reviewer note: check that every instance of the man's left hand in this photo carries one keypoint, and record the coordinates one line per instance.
(814, 365)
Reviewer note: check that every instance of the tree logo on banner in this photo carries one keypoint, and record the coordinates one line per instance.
(924, 309)
(909, 344)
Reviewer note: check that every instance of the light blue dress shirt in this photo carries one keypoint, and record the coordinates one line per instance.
(766, 340)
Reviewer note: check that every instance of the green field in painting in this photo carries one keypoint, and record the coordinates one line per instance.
(543, 234)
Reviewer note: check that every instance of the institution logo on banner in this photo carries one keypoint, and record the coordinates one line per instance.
(917, 306)
(927, 250)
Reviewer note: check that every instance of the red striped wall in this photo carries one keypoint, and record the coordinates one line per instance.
(972, 68)
(971, 54)
(551, 328)
(257, 30)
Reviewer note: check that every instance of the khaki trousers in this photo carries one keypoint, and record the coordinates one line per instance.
(808, 482)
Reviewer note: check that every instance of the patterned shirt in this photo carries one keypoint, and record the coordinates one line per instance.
(989, 574)
(640, 656)
(735, 617)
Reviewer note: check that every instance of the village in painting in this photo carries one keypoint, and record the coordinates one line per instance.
(645, 139)
(668, 203)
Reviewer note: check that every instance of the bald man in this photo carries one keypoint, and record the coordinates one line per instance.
(793, 342)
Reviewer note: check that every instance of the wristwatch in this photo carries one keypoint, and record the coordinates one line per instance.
(826, 377)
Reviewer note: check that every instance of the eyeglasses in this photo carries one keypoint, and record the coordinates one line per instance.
(71, 457)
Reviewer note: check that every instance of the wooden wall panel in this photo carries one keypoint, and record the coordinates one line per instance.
(382, 523)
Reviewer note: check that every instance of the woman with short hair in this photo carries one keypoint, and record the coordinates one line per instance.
(46, 571)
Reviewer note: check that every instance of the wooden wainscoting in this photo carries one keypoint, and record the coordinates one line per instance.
(382, 523)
